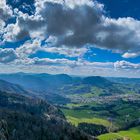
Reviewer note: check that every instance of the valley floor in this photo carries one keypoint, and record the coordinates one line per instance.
(111, 116)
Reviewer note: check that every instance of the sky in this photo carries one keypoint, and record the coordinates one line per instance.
(76, 37)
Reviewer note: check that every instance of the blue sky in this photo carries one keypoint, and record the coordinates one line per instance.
(78, 37)
(122, 8)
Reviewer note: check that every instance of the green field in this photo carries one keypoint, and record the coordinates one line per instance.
(79, 116)
(76, 121)
(133, 134)
(78, 113)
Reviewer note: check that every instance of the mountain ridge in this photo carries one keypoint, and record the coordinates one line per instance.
(6, 86)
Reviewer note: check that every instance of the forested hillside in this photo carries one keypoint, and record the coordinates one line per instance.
(23, 118)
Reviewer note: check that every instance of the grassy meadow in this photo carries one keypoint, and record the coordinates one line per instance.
(132, 134)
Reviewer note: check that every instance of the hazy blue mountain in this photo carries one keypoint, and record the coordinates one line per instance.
(27, 81)
(12, 88)
(97, 81)
(37, 81)
(124, 80)
(50, 84)
(41, 85)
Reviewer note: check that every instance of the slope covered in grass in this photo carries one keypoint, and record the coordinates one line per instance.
(133, 134)
(76, 117)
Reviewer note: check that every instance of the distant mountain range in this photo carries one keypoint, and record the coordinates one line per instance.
(125, 80)
(54, 88)
(40, 82)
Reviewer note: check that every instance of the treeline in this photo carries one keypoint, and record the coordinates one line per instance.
(93, 129)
